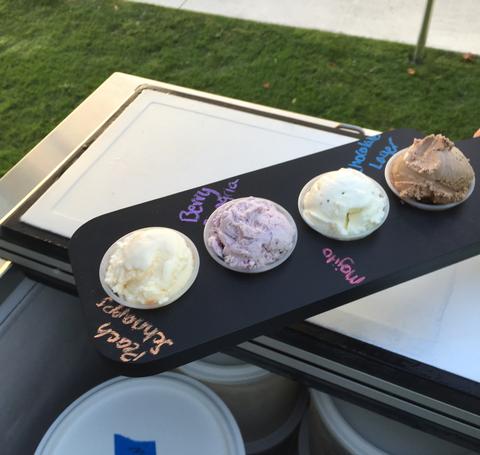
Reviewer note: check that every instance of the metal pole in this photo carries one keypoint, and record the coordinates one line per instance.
(422, 38)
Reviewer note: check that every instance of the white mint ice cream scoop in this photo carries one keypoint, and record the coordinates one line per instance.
(343, 204)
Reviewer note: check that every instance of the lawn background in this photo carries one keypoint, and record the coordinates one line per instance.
(54, 53)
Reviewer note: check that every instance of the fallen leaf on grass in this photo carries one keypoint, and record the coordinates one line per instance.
(266, 85)
(477, 133)
(115, 7)
(411, 71)
(294, 100)
(468, 57)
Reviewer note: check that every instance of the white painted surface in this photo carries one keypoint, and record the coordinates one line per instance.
(163, 144)
(454, 26)
(434, 319)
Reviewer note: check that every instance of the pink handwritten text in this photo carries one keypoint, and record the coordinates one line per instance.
(343, 265)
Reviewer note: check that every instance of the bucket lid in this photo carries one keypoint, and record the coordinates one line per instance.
(240, 373)
(363, 432)
(172, 413)
(223, 359)
(273, 440)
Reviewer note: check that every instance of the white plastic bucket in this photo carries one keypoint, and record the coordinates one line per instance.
(177, 414)
(267, 407)
(304, 437)
(223, 360)
(334, 426)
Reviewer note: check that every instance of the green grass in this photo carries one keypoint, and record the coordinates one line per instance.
(53, 53)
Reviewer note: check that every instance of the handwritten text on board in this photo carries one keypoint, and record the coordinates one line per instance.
(130, 351)
(194, 211)
(379, 161)
(343, 265)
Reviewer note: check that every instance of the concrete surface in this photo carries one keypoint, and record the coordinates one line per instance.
(455, 24)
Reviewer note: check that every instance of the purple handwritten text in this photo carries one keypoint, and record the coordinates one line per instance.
(194, 211)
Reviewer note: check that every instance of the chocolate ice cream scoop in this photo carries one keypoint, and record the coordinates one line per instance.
(432, 170)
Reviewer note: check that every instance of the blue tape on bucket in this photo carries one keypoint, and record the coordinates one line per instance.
(126, 446)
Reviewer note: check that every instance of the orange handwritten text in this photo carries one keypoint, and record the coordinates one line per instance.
(130, 350)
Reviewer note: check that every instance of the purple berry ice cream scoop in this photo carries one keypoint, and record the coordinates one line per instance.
(251, 234)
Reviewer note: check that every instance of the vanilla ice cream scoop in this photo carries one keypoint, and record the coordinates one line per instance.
(150, 267)
(343, 204)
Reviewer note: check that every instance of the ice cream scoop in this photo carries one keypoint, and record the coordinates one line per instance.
(150, 267)
(432, 170)
(250, 234)
(343, 204)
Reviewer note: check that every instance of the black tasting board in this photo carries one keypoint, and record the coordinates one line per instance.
(224, 308)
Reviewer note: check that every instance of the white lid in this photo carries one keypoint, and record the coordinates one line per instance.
(160, 137)
(241, 373)
(363, 432)
(219, 358)
(181, 415)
